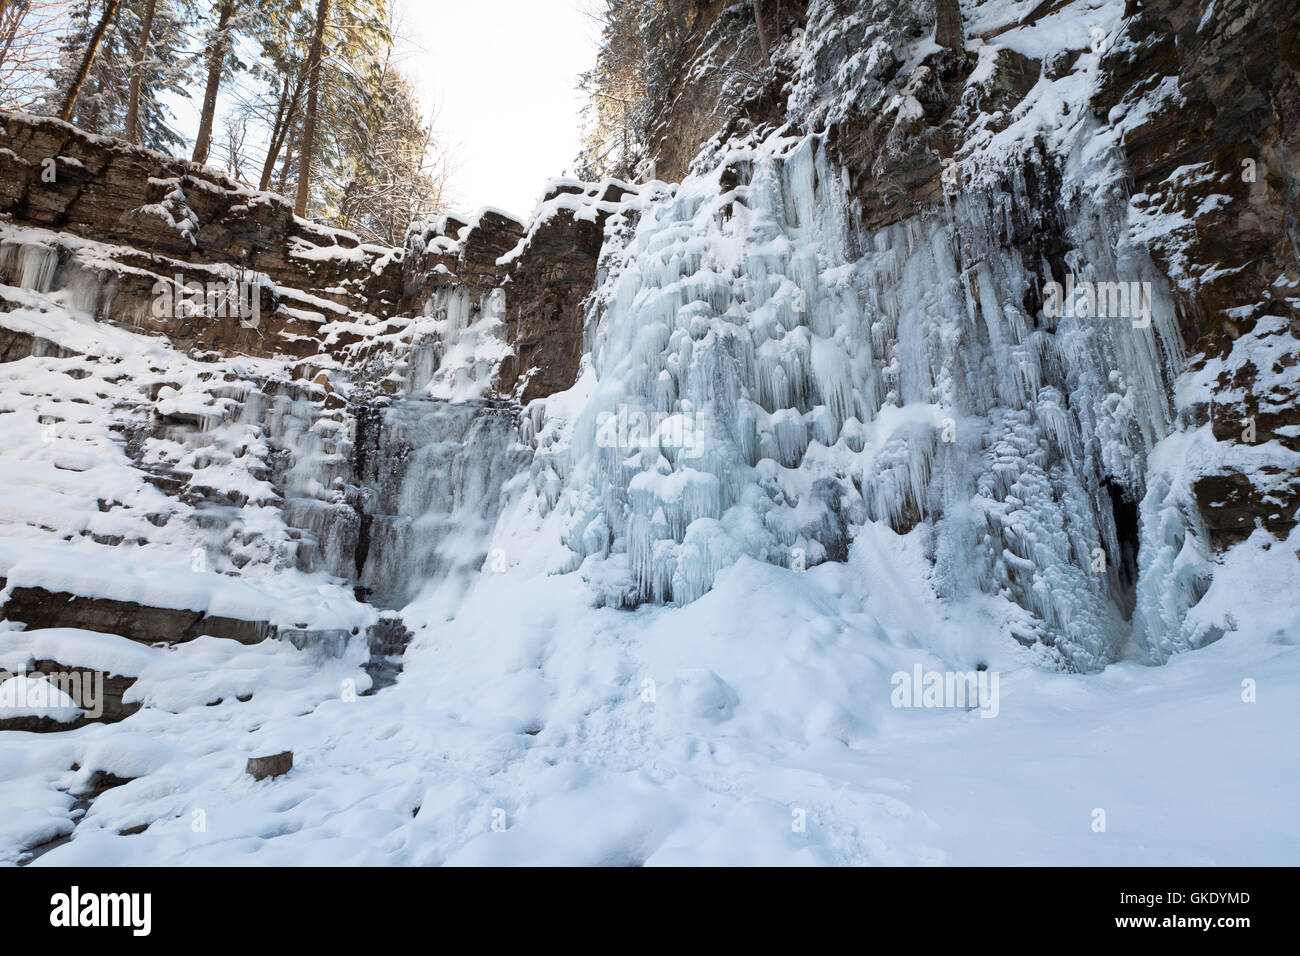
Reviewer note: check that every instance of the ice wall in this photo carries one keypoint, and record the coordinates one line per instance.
(764, 379)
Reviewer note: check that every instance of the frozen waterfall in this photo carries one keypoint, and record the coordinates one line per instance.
(764, 378)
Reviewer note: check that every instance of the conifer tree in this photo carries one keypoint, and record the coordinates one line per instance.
(219, 46)
(132, 131)
(158, 67)
(87, 58)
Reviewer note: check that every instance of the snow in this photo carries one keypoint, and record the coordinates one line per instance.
(23, 696)
(770, 697)
(584, 201)
(102, 652)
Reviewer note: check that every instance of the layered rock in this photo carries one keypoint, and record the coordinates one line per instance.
(123, 226)
(550, 275)
(39, 608)
(58, 177)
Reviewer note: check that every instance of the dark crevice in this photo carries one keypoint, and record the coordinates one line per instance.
(1124, 511)
(369, 420)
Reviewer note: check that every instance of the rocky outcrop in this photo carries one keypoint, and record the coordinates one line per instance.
(540, 277)
(549, 276)
(449, 251)
(39, 608)
(115, 221)
(1204, 103)
(1209, 104)
(56, 176)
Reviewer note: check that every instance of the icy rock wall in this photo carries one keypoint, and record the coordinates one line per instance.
(385, 477)
(765, 379)
(433, 486)
(459, 354)
(392, 498)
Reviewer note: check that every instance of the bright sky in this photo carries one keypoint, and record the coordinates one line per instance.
(504, 75)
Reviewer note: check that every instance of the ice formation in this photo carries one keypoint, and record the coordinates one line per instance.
(833, 377)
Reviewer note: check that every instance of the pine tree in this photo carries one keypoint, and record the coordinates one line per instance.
(385, 170)
(313, 77)
(348, 41)
(102, 104)
(280, 72)
(142, 51)
(87, 59)
(219, 44)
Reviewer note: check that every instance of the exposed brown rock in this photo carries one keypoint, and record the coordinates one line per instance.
(39, 608)
(114, 686)
(1237, 119)
(276, 765)
(548, 284)
(1220, 158)
(131, 200)
(110, 191)
(110, 706)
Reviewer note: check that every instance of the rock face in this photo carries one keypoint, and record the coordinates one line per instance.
(716, 85)
(549, 277)
(966, 180)
(1214, 149)
(56, 176)
(197, 226)
(321, 291)
(483, 310)
(118, 234)
(448, 252)
(1205, 103)
(39, 608)
(538, 279)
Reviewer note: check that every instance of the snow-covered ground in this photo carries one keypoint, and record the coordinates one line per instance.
(532, 730)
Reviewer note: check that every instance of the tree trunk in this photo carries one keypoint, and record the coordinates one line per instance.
(87, 61)
(762, 33)
(280, 134)
(273, 147)
(307, 147)
(216, 62)
(947, 25)
(142, 50)
(287, 164)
